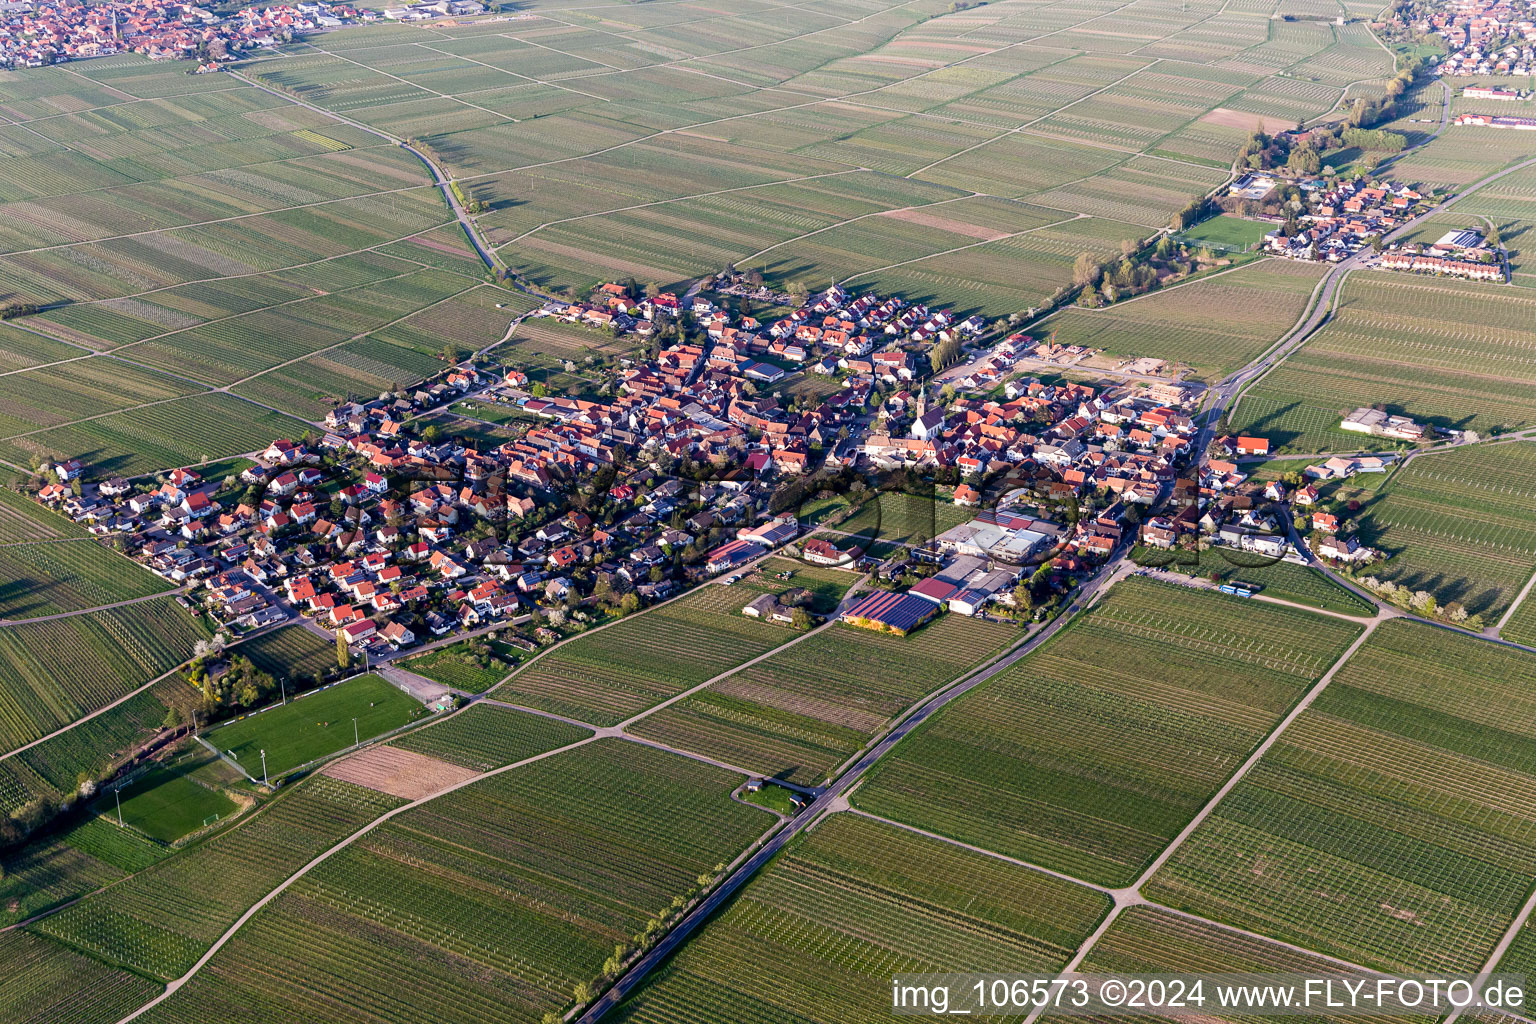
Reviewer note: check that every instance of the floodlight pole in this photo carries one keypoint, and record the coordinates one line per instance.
(284, 684)
(117, 794)
(264, 781)
(355, 741)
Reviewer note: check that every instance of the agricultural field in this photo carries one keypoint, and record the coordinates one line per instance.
(1151, 940)
(22, 519)
(490, 901)
(57, 670)
(800, 713)
(184, 432)
(69, 864)
(1446, 353)
(485, 736)
(1080, 756)
(616, 672)
(291, 653)
(1213, 326)
(159, 921)
(1459, 524)
(1389, 824)
(473, 666)
(315, 725)
(55, 577)
(1288, 581)
(1520, 625)
(851, 903)
(46, 980)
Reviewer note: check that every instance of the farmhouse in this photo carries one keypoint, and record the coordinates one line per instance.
(1380, 424)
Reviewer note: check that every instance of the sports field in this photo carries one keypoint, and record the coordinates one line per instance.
(1387, 825)
(166, 803)
(1079, 757)
(315, 725)
(1226, 232)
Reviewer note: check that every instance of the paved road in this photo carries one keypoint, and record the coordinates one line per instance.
(833, 796)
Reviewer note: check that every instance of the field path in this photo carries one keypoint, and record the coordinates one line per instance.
(832, 798)
(321, 858)
(4, 623)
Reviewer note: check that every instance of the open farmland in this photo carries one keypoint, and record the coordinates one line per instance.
(159, 921)
(1390, 823)
(48, 981)
(22, 519)
(1214, 326)
(1091, 753)
(57, 670)
(484, 736)
(848, 905)
(625, 668)
(70, 864)
(292, 653)
(798, 714)
(1287, 581)
(1446, 353)
(487, 904)
(887, 145)
(1150, 940)
(53, 577)
(473, 666)
(180, 433)
(1460, 524)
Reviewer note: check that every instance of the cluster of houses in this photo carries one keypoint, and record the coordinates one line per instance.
(1518, 124)
(430, 9)
(1343, 216)
(49, 32)
(1458, 253)
(1481, 32)
(1379, 423)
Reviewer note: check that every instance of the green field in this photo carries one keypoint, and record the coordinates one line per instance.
(1214, 325)
(48, 981)
(1460, 524)
(484, 736)
(1288, 581)
(292, 653)
(1226, 232)
(159, 921)
(902, 518)
(69, 864)
(168, 802)
(798, 714)
(1447, 353)
(315, 725)
(1388, 825)
(487, 904)
(1090, 754)
(818, 934)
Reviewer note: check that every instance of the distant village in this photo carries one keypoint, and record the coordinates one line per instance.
(36, 35)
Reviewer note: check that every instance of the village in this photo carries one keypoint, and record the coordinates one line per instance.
(38, 35)
(383, 533)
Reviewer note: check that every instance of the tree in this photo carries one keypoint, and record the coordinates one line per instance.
(1085, 271)
(343, 652)
(1495, 237)
(582, 993)
(800, 619)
